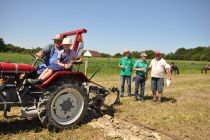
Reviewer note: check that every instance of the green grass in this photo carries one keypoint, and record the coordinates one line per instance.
(108, 66)
(15, 57)
(185, 112)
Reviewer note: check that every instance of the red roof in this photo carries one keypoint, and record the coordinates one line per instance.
(94, 53)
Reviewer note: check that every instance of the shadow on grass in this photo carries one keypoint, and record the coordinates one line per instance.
(168, 99)
(16, 126)
(164, 99)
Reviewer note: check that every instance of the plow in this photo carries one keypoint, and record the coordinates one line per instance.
(61, 101)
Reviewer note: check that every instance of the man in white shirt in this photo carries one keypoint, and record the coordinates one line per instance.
(158, 67)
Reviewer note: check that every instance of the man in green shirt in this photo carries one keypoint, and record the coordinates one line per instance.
(140, 67)
(126, 65)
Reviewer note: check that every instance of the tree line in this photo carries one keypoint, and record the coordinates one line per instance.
(12, 48)
(201, 53)
(192, 54)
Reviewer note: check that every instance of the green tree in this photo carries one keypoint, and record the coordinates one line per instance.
(135, 54)
(180, 53)
(118, 55)
(150, 54)
(105, 55)
(206, 54)
(1, 45)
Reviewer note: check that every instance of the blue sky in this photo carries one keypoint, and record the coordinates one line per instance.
(112, 25)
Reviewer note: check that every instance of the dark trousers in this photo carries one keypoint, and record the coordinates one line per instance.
(139, 81)
(122, 84)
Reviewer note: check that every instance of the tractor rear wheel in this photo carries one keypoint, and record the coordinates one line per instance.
(63, 108)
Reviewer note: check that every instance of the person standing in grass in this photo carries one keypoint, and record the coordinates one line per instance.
(126, 65)
(140, 69)
(158, 67)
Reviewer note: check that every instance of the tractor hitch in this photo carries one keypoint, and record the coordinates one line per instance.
(101, 94)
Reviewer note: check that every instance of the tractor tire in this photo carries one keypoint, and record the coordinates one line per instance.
(63, 107)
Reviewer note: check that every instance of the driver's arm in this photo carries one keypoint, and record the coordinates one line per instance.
(79, 60)
(42, 53)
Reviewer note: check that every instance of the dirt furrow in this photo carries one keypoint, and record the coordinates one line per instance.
(116, 128)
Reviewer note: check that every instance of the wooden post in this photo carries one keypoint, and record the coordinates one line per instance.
(86, 66)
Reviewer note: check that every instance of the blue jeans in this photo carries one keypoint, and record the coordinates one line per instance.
(41, 68)
(122, 80)
(140, 81)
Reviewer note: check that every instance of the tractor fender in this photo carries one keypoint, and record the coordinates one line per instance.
(78, 76)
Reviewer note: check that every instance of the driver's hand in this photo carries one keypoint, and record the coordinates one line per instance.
(80, 38)
(40, 54)
(67, 66)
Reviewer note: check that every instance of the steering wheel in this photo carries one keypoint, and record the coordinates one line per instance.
(34, 56)
(35, 59)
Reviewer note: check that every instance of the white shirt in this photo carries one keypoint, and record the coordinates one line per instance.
(158, 67)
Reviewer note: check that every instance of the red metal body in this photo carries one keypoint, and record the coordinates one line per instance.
(68, 74)
(77, 33)
(7, 67)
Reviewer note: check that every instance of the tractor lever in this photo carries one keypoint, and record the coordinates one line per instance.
(94, 74)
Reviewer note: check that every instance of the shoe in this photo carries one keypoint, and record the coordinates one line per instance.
(136, 99)
(154, 98)
(159, 100)
(129, 95)
(141, 99)
(34, 81)
(121, 96)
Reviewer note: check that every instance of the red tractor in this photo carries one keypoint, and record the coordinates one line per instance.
(59, 102)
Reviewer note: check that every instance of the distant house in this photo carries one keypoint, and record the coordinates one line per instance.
(91, 53)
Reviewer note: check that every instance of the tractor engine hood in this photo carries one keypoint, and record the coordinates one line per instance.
(7, 67)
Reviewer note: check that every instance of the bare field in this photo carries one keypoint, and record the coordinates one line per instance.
(184, 114)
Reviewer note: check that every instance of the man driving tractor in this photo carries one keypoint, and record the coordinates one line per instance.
(49, 53)
(64, 60)
(54, 61)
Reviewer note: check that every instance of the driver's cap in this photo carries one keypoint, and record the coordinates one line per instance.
(58, 37)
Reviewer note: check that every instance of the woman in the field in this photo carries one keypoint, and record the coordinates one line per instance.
(66, 57)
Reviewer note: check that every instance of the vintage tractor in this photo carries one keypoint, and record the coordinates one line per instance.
(59, 102)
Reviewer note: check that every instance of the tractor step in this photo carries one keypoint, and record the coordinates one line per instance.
(29, 112)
